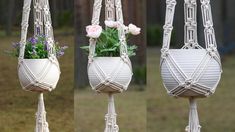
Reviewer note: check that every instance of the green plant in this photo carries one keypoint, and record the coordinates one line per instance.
(108, 43)
(154, 35)
(139, 75)
(36, 48)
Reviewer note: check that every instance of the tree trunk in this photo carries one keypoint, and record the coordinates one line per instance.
(135, 12)
(10, 9)
(82, 19)
(230, 26)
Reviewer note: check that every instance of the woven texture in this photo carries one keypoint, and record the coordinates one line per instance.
(38, 75)
(110, 74)
(104, 76)
(191, 71)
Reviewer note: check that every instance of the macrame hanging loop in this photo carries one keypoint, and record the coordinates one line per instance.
(109, 74)
(38, 75)
(191, 71)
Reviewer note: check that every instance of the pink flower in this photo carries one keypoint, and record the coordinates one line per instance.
(93, 31)
(111, 24)
(133, 29)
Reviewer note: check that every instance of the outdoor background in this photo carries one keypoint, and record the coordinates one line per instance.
(164, 113)
(90, 108)
(69, 17)
(167, 114)
(17, 107)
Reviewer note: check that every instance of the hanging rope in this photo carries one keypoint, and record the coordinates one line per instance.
(38, 75)
(190, 71)
(109, 75)
(194, 125)
(113, 11)
(110, 118)
(41, 123)
(34, 73)
(168, 56)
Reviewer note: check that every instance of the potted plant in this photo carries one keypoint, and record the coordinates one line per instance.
(38, 69)
(109, 68)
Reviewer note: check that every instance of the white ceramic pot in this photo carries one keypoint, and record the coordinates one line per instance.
(188, 60)
(110, 74)
(39, 75)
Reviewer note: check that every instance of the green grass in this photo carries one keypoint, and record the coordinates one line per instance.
(90, 109)
(167, 114)
(18, 108)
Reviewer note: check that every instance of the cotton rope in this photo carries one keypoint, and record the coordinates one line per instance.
(190, 82)
(42, 26)
(111, 6)
(113, 11)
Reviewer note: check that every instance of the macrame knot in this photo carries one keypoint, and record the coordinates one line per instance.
(168, 28)
(90, 59)
(164, 52)
(107, 81)
(188, 84)
(171, 2)
(212, 51)
(124, 57)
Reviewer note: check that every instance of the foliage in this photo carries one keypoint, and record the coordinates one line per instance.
(139, 76)
(65, 18)
(36, 48)
(155, 36)
(108, 44)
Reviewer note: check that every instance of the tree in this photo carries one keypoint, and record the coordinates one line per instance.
(10, 10)
(82, 19)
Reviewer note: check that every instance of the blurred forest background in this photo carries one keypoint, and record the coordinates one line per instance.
(167, 114)
(62, 12)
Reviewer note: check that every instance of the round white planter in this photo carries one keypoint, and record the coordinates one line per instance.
(201, 77)
(39, 75)
(110, 74)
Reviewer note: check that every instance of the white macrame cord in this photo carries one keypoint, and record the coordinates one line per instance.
(109, 74)
(36, 74)
(186, 80)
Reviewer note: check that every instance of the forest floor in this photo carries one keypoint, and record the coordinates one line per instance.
(18, 108)
(167, 114)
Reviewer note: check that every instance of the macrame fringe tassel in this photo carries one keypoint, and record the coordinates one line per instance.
(110, 117)
(194, 125)
(41, 123)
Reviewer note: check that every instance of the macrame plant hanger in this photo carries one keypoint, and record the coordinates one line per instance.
(41, 77)
(108, 82)
(191, 72)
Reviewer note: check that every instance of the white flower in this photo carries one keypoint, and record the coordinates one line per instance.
(133, 29)
(111, 24)
(93, 31)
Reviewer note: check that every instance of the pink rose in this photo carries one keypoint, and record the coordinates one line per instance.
(93, 31)
(111, 24)
(133, 29)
